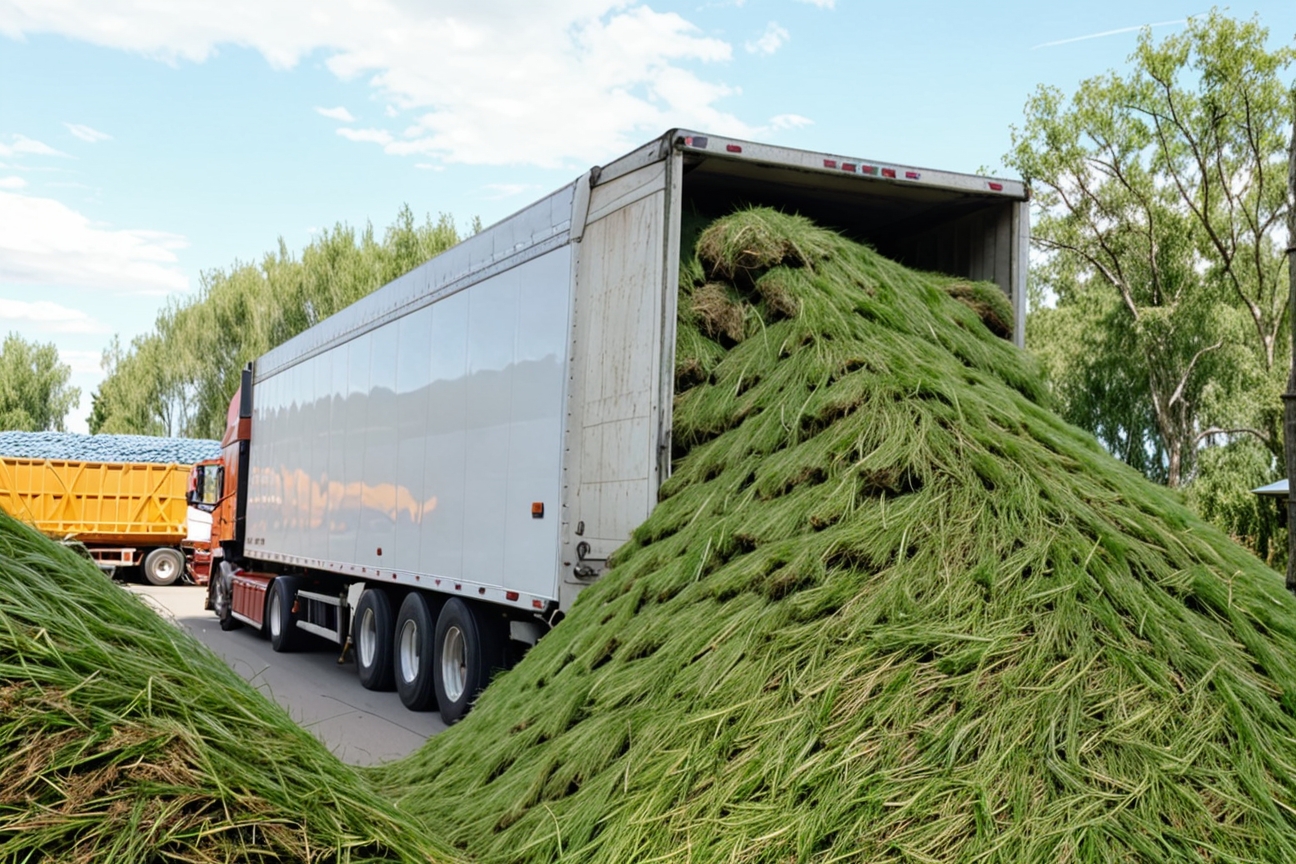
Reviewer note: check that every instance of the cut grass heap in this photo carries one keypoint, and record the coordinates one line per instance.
(888, 608)
(124, 740)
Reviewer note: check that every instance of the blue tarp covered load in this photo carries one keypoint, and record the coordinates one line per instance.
(107, 448)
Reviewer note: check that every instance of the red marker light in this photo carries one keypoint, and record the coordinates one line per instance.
(536, 604)
(733, 148)
(510, 595)
(848, 166)
(868, 169)
(912, 175)
(889, 172)
(828, 163)
(996, 187)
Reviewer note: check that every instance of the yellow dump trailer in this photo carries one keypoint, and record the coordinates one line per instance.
(126, 513)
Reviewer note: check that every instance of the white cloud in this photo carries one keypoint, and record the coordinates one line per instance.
(85, 133)
(373, 136)
(21, 145)
(12, 182)
(47, 317)
(779, 122)
(84, 363)
(43, 242)
(822, 4)
(338, 113)
(544, 82)
(770, 41)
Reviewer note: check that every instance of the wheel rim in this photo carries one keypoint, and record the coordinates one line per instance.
(275, 626)
(368, 638)
(164, 568)
(409, 653)
(454, 664)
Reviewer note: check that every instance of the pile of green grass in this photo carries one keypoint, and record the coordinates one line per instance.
(124, 740)
(889, 608)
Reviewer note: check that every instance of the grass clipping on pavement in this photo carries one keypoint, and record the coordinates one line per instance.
(888, 608)
(122, 739)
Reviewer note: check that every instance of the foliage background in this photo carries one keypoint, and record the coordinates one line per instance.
(1159, 282)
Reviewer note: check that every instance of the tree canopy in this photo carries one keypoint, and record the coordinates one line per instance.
(34, 391)
(1160, 288)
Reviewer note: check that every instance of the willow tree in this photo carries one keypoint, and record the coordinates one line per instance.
(1161, 194)
(34, 392)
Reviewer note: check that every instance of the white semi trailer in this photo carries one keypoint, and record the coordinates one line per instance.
(436, 471)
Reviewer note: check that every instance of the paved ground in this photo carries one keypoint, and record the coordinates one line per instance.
(360, 726)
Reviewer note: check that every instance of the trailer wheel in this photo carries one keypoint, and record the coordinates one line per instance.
(412, 647)
(470, 645)
(280, 623)
(163, 566)
(372, 633)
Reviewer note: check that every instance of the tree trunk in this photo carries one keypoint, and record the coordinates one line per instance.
(1289, 398)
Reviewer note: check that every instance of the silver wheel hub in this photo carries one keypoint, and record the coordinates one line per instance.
(409, 652)
(454, 664)
(275, 625)
(164, 568)
(368, 638)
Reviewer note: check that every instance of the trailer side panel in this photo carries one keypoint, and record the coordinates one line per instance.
(425, 450)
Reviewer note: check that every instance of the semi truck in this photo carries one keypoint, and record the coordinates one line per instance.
(432, 475)
(121, 497)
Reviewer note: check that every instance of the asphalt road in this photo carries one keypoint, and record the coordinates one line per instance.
(360, 726)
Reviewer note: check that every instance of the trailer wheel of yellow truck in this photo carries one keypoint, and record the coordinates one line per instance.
(163, 566)
(280, 623)
(412, 650)
(371, 631)
(470, 646)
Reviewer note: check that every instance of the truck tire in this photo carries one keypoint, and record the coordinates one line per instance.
(280, 623)
(470, 646)
(163, 566)
(412, 650)
(372, 633)
(220, 592)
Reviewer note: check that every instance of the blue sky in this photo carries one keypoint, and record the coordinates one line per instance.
(142, 144)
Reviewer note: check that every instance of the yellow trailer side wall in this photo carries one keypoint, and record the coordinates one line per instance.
(97, 502)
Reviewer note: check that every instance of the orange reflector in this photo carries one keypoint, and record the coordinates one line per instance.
(537, 509)
(510, 595)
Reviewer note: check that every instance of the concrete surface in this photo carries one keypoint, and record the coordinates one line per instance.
(360, 726)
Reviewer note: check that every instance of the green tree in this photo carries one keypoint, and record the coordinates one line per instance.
(34, 391)
(1160, 198)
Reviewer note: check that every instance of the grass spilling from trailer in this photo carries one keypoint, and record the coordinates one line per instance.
(889, 608)
(124, 740)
